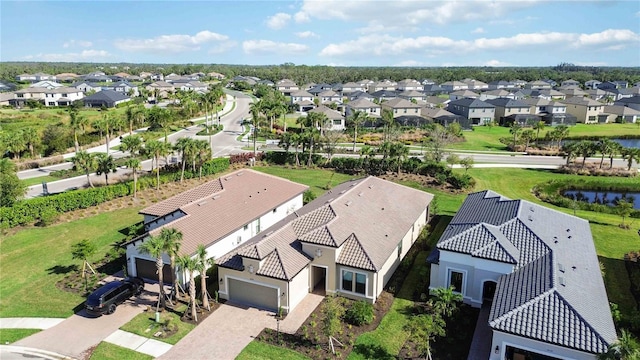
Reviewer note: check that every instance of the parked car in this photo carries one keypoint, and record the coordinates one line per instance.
(106, 298)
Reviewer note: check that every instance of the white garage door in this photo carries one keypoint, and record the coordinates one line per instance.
(254, 295)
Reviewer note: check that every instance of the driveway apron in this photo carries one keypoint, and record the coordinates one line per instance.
(222, 335)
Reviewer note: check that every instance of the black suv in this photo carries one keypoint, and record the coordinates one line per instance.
(107, 297)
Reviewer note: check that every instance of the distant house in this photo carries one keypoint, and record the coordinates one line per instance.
(498, 93)
(592, 84)
(619, 114)
(501, 84)
(444, 117)
(329, 96)
(67, 77)
(125, 87)
(552, 112)
(351, 87)
(36, 77)
(221, 214)
(316, 89)
(535, 272)
(360, 95)
(160, 89)
(571, 91)
(106, 98)
(335, 118)
(59, 96)
(462, 94)
(599, 94)
(549, 94)
(433, 89)
(401, 107)
(369, 107)
(610, 85)
(413, 95)
(479, 112)
(190, 85)
(451, 86)
(409, 85)
(47, 84)
(301, 95)
(584, 109)
(7, 86)
(86, 86)
(216, 75)
(632, 102)
(473, 84)
(437, 101)
(384, 95)
(385, 85)
(348, 241)
(286, 86)
(537, 85)
(506, 109)
(570, 82)
(97, 76)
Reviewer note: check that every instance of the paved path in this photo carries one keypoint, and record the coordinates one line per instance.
(138, 343)
(29, 323)
(481, 344)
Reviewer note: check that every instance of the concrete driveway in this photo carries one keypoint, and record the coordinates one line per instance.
(231, 327)
(77, 334)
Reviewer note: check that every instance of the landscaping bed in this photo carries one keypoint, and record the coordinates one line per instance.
(310, 341)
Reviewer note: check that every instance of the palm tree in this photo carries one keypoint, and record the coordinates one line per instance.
(187, 263)
(130, 115)
(203, 153)
(77, 123)
(527, 135)
(186, 146)
(562, 131)
(604, 147)
(131, 144)
(31, 139)
(445, 300)
(15, 144)
(613, 150)
(172, 239)
(296, 140)
(160, 118)
(255, 108)
(357, 119)
(388, 120)
(539, 126)
(134, 165)
(585, 148)
(630, 154)
(398, 152)
(86, 162)
(625, 348)
(105, 164)
(157, 149)
(203, 263)
(515, 130)
(570, 150)
(154, 246)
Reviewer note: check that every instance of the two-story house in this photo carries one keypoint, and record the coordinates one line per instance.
(477, 111)
(401, 107)
(286, 86)
(409, 85)
(509, 110)
(367, 106)
(451, 86)
(552, 112)
(584, 109)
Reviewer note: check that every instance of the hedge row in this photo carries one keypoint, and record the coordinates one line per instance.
(44, 209)
(551, 192)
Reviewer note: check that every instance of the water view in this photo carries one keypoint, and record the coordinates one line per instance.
(609, 198)
(634, 143)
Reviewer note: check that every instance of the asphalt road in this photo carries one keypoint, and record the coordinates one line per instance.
(223, 143)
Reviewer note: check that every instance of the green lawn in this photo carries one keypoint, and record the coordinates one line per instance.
(108, 351)
(258, 350)
(8, 336)
(488, 138)
(34, 259)
(319, 180)
(39, 180)
(144, 325)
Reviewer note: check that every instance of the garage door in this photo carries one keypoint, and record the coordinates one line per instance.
(254, 295)
(147, 269)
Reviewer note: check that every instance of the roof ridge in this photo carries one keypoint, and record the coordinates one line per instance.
(522, 306)
(495, 238)
(456, 236)
(277, 254)
(204, 197)
(353, 236)
(578, 315)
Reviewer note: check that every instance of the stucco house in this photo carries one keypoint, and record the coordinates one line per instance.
(369, 107)
(537, 85)
(505, 107)
(619, 114)
(348, 241)
(410, 85)
(451, 86)
(334, 117)
(479, 112)
(535, 271)
(351, 87)
(462, 94)
(401, 107)
(106, 98)
(59, 96)
(221, 215)
(552, 112)
(584, 109)
(286, 86)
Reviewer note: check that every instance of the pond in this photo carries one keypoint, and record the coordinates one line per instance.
(629, 143)
(609, 198)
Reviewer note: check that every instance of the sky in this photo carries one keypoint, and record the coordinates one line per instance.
(324, 32)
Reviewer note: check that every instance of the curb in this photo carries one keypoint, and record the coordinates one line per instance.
(42, 354)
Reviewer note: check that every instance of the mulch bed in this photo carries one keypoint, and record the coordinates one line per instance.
(310, 341)
(426, 181)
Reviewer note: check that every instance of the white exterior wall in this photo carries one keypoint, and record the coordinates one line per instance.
(298, 288)
(369, 284)
(502, 340)
(476, 271)
(151, 222)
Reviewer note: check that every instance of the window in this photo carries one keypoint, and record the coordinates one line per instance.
(360, 284)
(456, 280)
(405, 111)
(274, 211)
(239, 239)
(337, 122)
(246, 227)
(592, 118)
(400, 248)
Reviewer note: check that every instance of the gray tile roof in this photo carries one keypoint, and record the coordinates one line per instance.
(555, 293)
(472, 103)
(367, 218)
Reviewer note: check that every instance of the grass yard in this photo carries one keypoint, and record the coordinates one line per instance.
(8, 336)
(488, 138)
(108, 351)
(145, 325)
(319, 180)
(258, 350)
(34, 259)
(13, 119)
(39, 180)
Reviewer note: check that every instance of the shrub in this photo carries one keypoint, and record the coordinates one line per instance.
(360, 313)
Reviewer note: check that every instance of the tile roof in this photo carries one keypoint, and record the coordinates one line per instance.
(399, 103)
(362, 103)
(507, 103)
(472, 103)
(217, 208)
(555, 293)
(106, 95)
(365, 217)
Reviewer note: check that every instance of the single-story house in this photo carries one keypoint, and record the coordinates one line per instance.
(221, 215)
(336, 120)
(537, 270)
(106, 98)
(348, 241)
(619, 114)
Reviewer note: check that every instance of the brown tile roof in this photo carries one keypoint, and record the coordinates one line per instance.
(211, 215)
(367, 217)
(174, 203)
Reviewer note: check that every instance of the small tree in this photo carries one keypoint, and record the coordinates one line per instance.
(187, 263)
(453, 159)
(445, 301)
(467, 163)
(202, 265)
(82, 250)
(331, 325)
(171, 241)
(624, 208)
(154, 246)
(423, 329)
(11, 188)
(527, 135)
(104, 165)
(515, 130)
(86, 162)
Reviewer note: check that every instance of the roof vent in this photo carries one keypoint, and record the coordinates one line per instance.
(531, 209)
(530, 218)
(343, 191)
(240, 173)
(349, 203)
(201, 203)
(360, 193)
(269, 233)
(371, 186)
(216, 197)
(330, 200)
(568, 230)
(555, 239)
(560, 267)
(569, 237)
(561, 281)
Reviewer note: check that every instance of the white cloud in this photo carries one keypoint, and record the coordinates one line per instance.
(478, 30)
(170, 43)
(278, 21)
(301, 17)
(84, 55)
(78, 43)
(223, 47)
(383, 45)
(496, 63)
(306, 34)
(256, 47)
(591, 63)
(410, 63)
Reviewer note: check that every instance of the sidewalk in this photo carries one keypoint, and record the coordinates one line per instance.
(29, 323)
(138, 343)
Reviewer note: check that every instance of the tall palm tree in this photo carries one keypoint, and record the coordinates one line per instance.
(613, 150)
(358, 118)
(203, 153)
(31, 139)
(86, 162)
(570, 150)
(187, 263)
(585, 148)
(157, 149)
(256, 109)
(604, 147)
(398, 152)
(77, 123)
(388, 120)
(132, 144)
(540, 125)
(172, 239)
(527, 135)
(187, 148)
(104, 165)
(515, 130)
(202, 264)
(154, 246)
(630, 154)
(134, 165)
